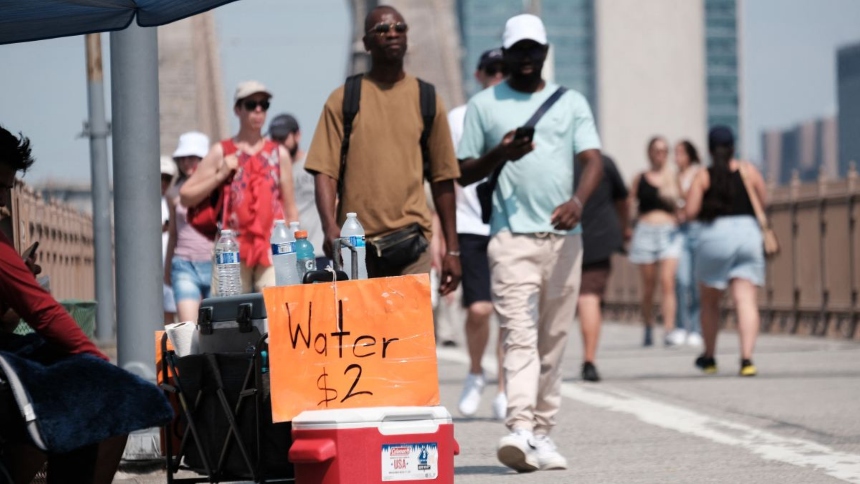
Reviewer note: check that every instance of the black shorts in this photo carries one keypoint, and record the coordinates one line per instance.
(595, 277)
(476, 268)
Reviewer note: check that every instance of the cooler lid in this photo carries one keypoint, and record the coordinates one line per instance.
(226, 308)
(368, 417)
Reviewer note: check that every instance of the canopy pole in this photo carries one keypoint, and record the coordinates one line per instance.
(98, 131)
(137, 196)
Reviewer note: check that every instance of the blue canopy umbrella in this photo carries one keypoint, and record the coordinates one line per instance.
(26, 20)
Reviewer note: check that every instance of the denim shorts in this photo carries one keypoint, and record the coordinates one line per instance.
(655, 242)
(191, 280)
(730, 248)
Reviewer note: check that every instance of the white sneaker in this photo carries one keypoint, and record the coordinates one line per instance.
(500, 406)
(676, 337)
(547, 454)
(517, 450)
(695, 339)
(470, 399)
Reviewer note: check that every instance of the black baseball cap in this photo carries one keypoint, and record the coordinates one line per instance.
(282, 126)
(720, 136)
(490, 57)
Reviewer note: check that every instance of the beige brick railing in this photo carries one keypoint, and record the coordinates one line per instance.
(65, 241)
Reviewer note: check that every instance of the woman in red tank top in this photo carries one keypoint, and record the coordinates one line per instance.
(261, 185)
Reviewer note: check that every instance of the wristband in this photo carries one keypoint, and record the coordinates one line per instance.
(576, 201)
(455, 253)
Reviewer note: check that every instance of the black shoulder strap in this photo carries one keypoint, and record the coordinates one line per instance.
(532, 122)
(351, 100)
(427, 98)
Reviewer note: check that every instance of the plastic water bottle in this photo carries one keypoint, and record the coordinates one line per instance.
(294, 227)
(353, 232)
(227, 265)
(284, 255)
(306, 260)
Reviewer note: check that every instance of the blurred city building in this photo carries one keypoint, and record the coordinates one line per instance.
(848, 86)
(665, 67)
(190, 81)
(810, 149)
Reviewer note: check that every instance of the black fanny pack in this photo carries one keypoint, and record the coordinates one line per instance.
(399, 248)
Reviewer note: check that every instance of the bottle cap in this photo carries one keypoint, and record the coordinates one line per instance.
(301, 234)
(351, 215)
(226, 232)
(280, 222)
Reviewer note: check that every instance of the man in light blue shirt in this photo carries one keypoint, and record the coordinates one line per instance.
(536, 249)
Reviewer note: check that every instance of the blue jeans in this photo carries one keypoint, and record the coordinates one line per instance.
(686, 287)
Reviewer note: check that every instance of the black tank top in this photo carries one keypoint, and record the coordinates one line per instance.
(649, 198)
(739, 204)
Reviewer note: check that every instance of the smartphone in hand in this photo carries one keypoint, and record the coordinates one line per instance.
(524, 133)
(30, 251)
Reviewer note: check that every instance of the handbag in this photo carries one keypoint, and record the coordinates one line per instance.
(486, 188)
(204, 216)
(399, 248)
(769, 239)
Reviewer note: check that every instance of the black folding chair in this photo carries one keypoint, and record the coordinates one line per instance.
(225, 422)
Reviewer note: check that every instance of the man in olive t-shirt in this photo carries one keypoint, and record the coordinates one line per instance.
(383, 178)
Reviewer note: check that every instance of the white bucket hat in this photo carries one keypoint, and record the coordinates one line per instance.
(192, 144)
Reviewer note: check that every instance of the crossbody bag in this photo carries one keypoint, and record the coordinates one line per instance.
(769, 241)
(486, 188)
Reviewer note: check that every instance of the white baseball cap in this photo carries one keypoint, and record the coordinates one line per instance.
(168, 167)
(247, 88)
(523, 27)
(192, 144)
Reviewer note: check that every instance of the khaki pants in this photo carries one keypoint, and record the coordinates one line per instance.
(535, 281)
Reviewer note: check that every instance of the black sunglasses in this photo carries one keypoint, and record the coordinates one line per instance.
(533, 52)
(251, 105)
(495, 69)
(382, 29)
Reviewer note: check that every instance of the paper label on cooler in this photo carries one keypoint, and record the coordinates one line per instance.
(285, 248)
(227, 258)
(410, 462)
(356, 241)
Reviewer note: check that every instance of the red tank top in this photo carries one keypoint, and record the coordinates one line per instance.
(255, 201)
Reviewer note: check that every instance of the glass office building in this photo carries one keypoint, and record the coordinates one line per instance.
(570, 27)
(848, 81)
(721, 63)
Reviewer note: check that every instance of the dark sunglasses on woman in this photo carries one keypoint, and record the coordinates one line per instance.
(251, 105)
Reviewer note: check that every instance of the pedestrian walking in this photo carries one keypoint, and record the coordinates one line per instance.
(729, 253)
(474, 236)
(284, 130)
(396, 136)
(525, 132)
(605, 228)
(188, 269)
(257, 173)
(688, 329)
(657, 244)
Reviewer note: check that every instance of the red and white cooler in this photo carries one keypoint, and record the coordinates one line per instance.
(374, 445)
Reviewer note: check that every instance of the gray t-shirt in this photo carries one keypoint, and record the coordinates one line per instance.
(309, 218)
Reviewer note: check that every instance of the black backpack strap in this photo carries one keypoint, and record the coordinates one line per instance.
(427, 99)
(351, 100)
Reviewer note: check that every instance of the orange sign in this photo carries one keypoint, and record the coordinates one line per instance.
(352, 344)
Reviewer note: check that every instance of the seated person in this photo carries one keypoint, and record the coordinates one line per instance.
(58, 336)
